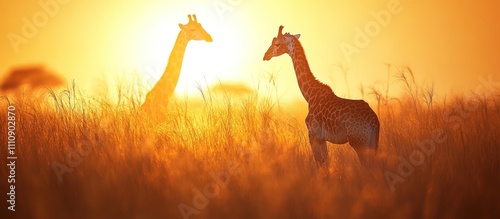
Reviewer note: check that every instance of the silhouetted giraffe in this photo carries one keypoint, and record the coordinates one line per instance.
(330, 118)
(164, 88)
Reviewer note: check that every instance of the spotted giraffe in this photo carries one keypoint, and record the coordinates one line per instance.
(159, 96)
(330, 117)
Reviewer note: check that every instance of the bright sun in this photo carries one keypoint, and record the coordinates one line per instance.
(204, 63)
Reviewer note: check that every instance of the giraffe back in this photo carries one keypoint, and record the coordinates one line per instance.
(340, 120)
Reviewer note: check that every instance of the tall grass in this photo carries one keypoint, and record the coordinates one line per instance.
(125, 164)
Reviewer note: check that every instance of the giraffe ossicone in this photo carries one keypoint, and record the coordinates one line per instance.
(161, 92)
(330, 118)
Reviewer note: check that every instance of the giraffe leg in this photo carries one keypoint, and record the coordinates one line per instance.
(362, 155)
(361, 145)
(319, 150)
(318, 143)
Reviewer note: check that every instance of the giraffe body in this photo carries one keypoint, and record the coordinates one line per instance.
(160, 94)
(330, 118)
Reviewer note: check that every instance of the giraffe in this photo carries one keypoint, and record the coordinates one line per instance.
(330, 118)
(164, 88)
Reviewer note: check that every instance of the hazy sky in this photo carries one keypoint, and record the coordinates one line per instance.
(450, 43)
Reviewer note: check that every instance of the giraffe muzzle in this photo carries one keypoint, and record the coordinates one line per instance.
(209, 38)
(267, 57)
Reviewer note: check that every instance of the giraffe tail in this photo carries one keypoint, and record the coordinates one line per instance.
(374, 139)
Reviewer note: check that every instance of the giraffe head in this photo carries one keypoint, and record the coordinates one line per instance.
(194, 31)
(281, 44)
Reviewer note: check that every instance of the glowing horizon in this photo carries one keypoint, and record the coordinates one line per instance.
(448, 44)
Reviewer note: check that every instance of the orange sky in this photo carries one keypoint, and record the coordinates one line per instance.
(449, 43)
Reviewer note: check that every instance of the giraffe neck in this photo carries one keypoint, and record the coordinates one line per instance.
(168, 81)
(308, 84)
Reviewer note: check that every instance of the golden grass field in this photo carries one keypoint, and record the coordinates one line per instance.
(83, 155)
